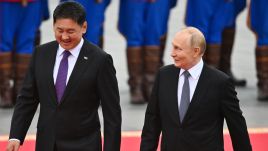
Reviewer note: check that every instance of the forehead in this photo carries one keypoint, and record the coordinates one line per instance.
(65, 22)
(181, 38)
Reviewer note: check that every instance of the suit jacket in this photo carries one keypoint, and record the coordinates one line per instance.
(213, 101)
(73, 124)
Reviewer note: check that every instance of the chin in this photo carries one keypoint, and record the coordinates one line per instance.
(66, 46)
(176, 65)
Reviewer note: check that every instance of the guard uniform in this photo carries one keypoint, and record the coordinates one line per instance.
(18, 24)
(208, 17)
(228, 35)
(259, 25)
(142, 23)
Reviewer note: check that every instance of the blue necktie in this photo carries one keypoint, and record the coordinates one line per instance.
(185, 95)
(62, 75)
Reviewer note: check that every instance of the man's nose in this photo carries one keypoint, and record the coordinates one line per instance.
(65, 36)
(172, 54)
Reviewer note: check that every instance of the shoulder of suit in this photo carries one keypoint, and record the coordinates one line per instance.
(49, 44)
(168, 68)
(93, 48)
(46, 48)
(215, 72)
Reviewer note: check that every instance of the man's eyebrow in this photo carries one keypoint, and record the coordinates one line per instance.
(58, 28)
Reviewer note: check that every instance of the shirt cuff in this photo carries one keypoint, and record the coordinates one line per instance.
(14, 139)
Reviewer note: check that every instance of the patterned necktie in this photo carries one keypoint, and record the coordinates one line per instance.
(62, 75)
(185, 95)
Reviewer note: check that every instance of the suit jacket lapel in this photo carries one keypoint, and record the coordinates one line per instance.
(201, 88)
(173, 84)
(50, 67)
(78, 70)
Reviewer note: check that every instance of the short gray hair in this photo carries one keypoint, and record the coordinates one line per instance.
(197, 39)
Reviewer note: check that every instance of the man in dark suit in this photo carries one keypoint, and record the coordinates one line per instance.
(69, 98)
(190, 101)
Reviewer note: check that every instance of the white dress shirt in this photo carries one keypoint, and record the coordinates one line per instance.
(71, 60)
(195, 72)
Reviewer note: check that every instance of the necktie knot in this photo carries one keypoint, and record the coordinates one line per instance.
(186, 74)
(66, 54)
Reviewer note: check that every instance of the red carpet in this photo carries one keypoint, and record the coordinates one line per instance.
(131, 141)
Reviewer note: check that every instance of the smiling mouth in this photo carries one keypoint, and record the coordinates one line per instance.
(66, 42)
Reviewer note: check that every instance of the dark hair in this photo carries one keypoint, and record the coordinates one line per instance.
(70, 10)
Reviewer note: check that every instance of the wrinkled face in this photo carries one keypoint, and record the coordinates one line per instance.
(68, 33)
(183, 54)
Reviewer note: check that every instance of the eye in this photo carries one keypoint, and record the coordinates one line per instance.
(59, 30)
(177, 48)
(71, 31)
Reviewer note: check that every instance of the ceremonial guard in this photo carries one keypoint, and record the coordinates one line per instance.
(18, 25)
(258, 22)
(143, 23)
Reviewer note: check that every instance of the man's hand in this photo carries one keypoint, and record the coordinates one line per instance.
(13, 145)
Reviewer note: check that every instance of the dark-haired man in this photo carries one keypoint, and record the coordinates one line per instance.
(69, 78)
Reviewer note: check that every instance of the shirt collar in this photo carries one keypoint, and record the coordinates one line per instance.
(74, 52)
(195, 71)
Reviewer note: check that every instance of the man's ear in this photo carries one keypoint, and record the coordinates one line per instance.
(84, 27)
(197, 51)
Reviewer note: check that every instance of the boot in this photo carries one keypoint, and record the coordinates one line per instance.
(261, 54)
(151, 66)
(163, 40)
(22, 61)
(212, 55)
(135, 70)
(225, 57)
(6, 82)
